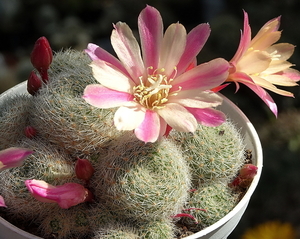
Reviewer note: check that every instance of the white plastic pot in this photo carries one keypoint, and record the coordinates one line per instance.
(220, 229)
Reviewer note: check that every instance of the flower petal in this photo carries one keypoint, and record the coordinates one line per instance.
(267, 35)
(178, 117)
(290, 73)
(109, 76)
(129, 117)
(66, 195)
(2, 202)
(128, 50)
(269, 86)
(203, 99)
(196, 39)
(203, 77)
(281, 51)
(151, 35)
(13, 157)
(97, 53)
(102, 97)
(208, 116)
(276, 66)
(244, 42)
(254, 62)
(280, 80)
(149, 129)
(172, 47)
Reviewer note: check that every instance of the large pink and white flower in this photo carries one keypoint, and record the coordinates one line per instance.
(155, 90)
(261, 65)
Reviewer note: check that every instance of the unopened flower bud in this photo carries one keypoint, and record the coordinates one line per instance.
(2, 203)
(248, 171)
(66, 195)
(13, 157)
(33, 83)
(84, 169)
(30, 132)
(41, 57)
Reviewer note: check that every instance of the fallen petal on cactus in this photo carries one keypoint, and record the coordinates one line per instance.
(186, 215)
(34, 83)
(13, 157)
(2, 203)
(84, 169)
(41, 57)
(66, 195)
(30, 132)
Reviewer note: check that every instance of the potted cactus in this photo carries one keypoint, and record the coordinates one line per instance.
(140, 147)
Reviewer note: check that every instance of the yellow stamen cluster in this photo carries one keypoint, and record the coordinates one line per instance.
(153, 92)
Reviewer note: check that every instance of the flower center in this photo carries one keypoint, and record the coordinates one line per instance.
(153, 92)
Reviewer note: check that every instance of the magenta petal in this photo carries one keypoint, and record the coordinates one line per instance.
(151, 34)
(208, 116)
(196, 39)
(13, 157)
(203, 77)
(2, 202)
(97, 53)
(149, 129)
(244, 42)
(66, 195)
(102, 97)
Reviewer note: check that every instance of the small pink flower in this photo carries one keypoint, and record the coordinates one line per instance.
(66, 195)
(155, 86)
(41, 57)
(84, 169)
(2, 203)
(260, 64)
(13, 157)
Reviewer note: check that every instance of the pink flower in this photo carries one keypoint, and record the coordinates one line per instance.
(259, 64)
(13, 157)
(66, 195)
(157, 90)
(2, 203)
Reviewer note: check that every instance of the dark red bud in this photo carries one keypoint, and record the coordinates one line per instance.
(41, 56)
(30, 132)
(84, 169)
(33, 83)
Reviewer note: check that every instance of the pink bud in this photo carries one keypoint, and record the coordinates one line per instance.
(41, 57)
(66, 195)
(13, 157)
(2, 203)
(33, 83)
(30, 132)
(248, 171)
(84, 169)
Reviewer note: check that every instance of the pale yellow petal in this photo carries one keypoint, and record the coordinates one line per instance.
(254, 62)
(269, 86)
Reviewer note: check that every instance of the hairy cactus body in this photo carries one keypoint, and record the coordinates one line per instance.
(61, 115)
(142, 181)
(213, 153)
(14, 112)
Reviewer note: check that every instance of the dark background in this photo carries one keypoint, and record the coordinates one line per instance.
(74, 23)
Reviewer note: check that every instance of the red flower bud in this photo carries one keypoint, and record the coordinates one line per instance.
(30, 132)
(84, 169)
(248, 171)
(41, 57)
(33, 83)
